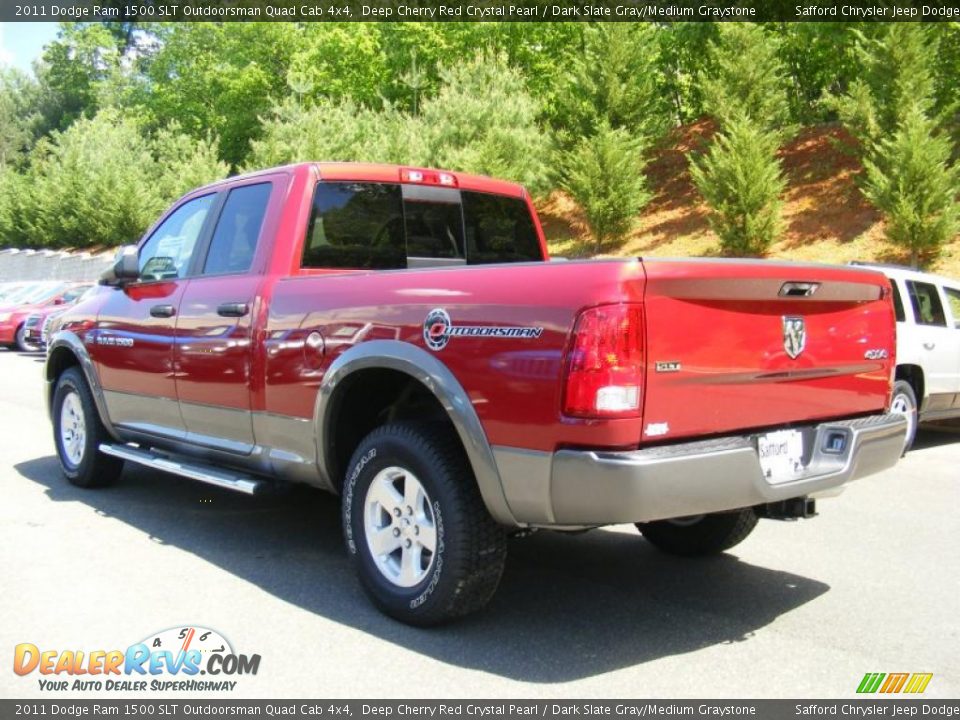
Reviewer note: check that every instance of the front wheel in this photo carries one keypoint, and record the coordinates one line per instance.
(904, 403)
(78, 432)
(24, 345)
(420, 538)
(700, 534)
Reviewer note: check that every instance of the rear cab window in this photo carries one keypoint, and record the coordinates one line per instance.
(375, 225)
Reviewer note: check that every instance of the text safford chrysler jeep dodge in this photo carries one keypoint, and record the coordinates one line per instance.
(397, 336)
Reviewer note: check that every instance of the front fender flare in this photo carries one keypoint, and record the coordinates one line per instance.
(68, 342)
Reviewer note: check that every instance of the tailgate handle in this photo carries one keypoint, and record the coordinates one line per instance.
(798, 289)
(232, 309)
(163, 311)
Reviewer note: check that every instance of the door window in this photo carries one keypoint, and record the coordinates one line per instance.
(166, 255)
(238, 229)
(927, 308)
(953, 299)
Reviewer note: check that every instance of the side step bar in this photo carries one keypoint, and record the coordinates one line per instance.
(189, 469)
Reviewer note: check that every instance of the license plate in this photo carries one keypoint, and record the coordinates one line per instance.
(781, 455)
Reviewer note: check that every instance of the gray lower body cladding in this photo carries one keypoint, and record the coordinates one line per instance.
(584, 487)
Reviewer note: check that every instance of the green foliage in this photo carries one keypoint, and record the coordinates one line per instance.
(18, 119)
(483, 120)
(682, 61)
(740, 179)
(740, 176)
(901, 119)
(183, 163)
(88, 185)
(10, 192)
(219, 78)
(615, 80)
(604, 175)
(748, 78)
(914, 185)
(336, 131)
(895, 74)
(101, 182)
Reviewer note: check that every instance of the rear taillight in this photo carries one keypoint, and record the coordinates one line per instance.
(604, 365)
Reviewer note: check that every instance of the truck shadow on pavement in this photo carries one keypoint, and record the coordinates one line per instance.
(568, 607)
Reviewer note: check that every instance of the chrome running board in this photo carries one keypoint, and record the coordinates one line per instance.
(189, 469)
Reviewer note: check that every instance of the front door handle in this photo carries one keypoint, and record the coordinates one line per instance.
(233, 309)
(929, 345)
(163, 311)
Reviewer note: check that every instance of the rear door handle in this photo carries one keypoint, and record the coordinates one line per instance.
(929, 346)
(163, 311)
(233, 309)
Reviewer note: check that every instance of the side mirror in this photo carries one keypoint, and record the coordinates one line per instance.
(125, 269)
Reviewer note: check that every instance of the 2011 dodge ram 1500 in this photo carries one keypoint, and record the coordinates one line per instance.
(396, 335)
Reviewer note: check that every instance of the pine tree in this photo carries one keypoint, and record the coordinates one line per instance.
(912, 182)
(740, 177)
(604, 176)
(741, 181)
(907, 155)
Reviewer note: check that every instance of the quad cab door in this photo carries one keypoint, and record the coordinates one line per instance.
(214, 355)
(133, 343)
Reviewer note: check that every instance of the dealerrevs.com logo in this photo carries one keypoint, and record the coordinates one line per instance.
(183, 658)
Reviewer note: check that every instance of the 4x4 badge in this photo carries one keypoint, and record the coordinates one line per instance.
(794, 335)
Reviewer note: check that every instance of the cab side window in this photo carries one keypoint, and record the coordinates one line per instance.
(355, 225)
(234, 241)
(166, 255)
(927, 307)
(953, 299)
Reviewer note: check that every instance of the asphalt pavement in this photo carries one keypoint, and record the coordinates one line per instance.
(800, 609)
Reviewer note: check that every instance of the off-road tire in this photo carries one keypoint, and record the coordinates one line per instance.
(470, 547)
(904, 398)
(710, 535)
(94, 469)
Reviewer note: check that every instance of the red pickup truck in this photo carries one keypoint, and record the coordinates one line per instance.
(398, 336)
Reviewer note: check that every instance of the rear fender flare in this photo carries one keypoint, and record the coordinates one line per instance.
(436, 377)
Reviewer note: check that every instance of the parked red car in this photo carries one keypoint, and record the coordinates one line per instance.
(13, 319)
(35, 323)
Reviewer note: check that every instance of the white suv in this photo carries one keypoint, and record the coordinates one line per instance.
(928, 346)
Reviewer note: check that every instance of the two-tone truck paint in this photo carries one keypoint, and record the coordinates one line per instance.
(397, 336)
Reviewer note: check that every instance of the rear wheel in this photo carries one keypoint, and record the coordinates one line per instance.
(700, 534)
(905, 403)
(24, 345)
(78, 432)
(420, 538)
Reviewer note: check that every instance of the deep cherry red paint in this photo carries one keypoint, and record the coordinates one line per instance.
(719, 324)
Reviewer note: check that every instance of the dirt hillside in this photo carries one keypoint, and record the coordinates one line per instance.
(826, 218)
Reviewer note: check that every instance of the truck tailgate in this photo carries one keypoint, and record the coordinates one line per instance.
(750, 345)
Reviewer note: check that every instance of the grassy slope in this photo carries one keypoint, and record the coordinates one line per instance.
(826, 219)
